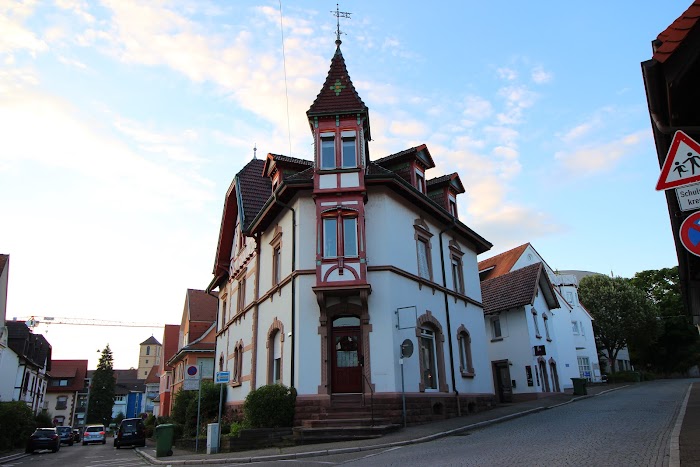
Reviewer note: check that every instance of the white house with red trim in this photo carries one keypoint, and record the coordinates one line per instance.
(540, 334)
(325, 267)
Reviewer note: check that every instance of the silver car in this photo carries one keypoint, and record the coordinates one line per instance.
(94, 434)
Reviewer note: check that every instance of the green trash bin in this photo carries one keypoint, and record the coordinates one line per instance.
(579, 386)
(164, 439)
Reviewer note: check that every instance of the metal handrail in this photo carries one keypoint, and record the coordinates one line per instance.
(371, 396)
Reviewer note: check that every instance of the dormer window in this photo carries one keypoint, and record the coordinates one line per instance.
(420, 181)
(453, 206)
(327, 151)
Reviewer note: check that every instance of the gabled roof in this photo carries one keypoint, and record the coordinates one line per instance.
(502, 263)
(74, 370)
(202, 306)
(673, 36)
(150, 341)
(286, 163)
(419, 153)
(516, 289)
(245, 197)
(4, 259)
(32, 347)
(152, 377)
(338, 94)
(452, 180)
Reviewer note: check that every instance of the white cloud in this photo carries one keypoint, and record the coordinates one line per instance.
(540, 76)
(477, 108)
(408, 128)
(601, 156)
(14, 36)
(507, 74)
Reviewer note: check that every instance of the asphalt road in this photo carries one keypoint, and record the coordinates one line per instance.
(622, 428)
(92, 455)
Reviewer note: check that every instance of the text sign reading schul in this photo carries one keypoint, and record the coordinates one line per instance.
(689, 197)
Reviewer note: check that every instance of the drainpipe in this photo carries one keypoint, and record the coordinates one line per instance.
(254, 366)
(294, 254)
(447, 313)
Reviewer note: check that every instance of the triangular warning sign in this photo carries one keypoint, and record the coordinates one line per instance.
(682, 165)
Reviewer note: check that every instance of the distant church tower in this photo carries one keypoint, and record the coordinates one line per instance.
(149, 356)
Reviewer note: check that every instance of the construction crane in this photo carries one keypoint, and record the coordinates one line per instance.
(33, 322)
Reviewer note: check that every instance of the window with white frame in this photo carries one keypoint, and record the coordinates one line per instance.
(570, 298)
(344, 242)
(61, 402)
(574, 328)
(496, 332)
(584, 367)
(537, 326)
(420, 181)
(327, 151)
(423, 249)
(452, 203)
(457, 274)
(428, 359)
(276, 359)
(349, 149)
(466, 366)
(276, 265)
(546, 326)
(240, 304)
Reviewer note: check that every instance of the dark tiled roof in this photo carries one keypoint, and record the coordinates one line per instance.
(254, 190)
(202, 306)
(338, 94)
(503, 263)
(153, 375)
(409, 153)
(445, 180)
(33, 347)
(75, 370)
(4, 259)
(304, 175)
(291, 160)
(672, 38)
(150, 341)
(511, 290)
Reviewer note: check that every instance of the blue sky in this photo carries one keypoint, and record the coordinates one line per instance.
(123, 122)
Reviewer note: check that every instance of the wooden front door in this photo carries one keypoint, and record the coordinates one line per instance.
(504, 388)
(346, 361)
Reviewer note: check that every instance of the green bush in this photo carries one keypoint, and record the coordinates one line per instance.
(236, 427)
(43, 419)
(270, 406)
(623, 377)
(16, 424)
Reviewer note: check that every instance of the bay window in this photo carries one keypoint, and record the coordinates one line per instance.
(340, 236)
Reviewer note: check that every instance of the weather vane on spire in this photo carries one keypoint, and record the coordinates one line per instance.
(339, 14)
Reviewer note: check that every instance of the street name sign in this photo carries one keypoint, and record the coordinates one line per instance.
(682, 164)
(690, 233)
(689, 197)
(222, 377)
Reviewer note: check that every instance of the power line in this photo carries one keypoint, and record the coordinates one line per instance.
(33, 322)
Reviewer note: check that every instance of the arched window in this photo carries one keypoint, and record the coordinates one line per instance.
(464, 341)
(237, 362)
(431, 358)
(275, 339)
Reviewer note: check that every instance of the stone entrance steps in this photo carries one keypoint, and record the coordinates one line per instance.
(349, 417)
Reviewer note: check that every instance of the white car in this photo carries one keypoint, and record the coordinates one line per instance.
(94, 434)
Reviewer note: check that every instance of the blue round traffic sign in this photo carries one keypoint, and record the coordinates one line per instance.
(690, 233)
(192, 370)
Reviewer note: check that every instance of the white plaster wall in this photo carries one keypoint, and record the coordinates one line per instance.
(516, 346)
(9, 363)
(308, 341)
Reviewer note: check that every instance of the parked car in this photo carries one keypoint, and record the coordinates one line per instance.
(66, 434)
(131, 432)
(94, 434)
(43, 438)
(76, 435)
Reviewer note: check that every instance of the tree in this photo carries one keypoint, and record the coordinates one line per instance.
(102, 390)
(677, 346)
(622, 314)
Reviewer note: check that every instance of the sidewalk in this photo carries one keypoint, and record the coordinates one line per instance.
(405, 436)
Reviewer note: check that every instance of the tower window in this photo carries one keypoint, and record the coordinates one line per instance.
(327, 152)
(349, 151)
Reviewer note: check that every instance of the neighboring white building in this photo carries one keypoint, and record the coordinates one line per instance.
(325, 267)
(570, 351)
(8, 359)
(34, 354)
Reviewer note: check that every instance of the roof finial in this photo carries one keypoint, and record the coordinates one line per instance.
(339, 14)
(255, 150)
